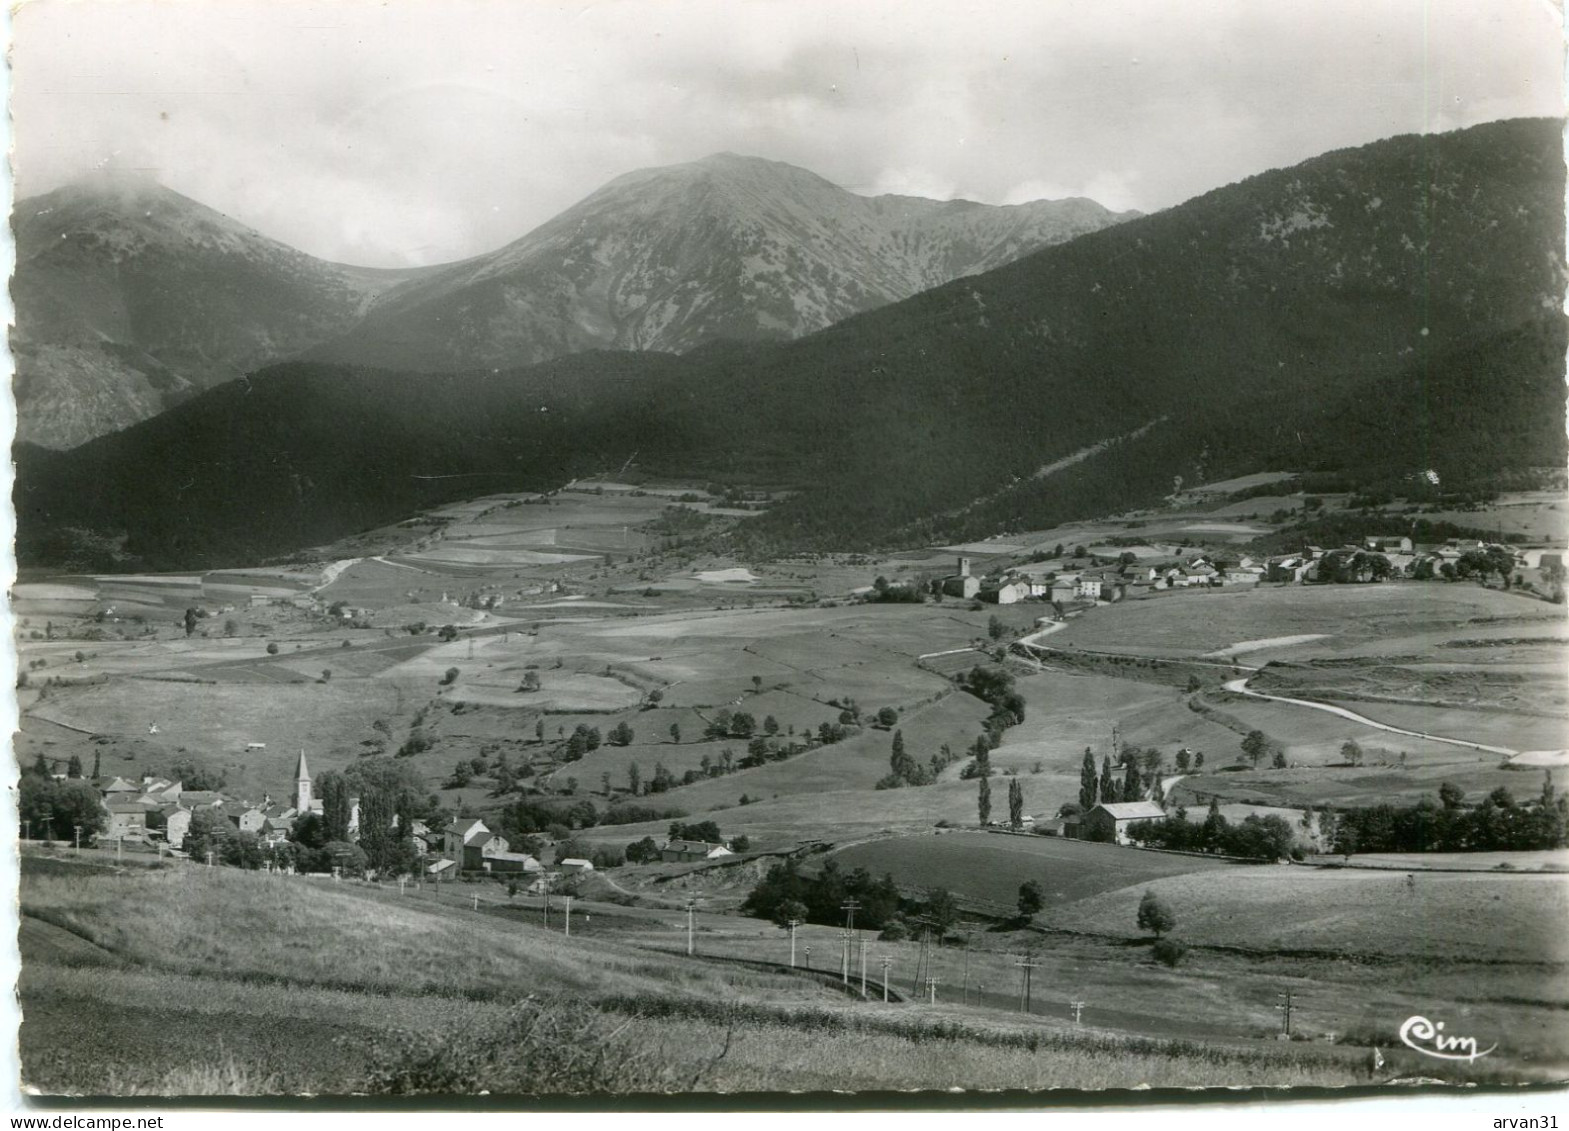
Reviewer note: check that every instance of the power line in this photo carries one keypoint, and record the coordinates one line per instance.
(1027, 967)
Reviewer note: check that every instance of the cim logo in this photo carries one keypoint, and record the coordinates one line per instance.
(1417, 1030)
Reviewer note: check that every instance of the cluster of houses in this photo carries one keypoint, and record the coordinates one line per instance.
(1068, 587)
(465, 845)
(130, 807)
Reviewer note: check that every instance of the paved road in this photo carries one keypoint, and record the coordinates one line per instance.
(1240, 686)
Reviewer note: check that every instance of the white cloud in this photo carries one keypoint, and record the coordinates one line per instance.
(411, 131)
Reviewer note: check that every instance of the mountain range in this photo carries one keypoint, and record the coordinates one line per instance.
(131, 298)
(1377, 313)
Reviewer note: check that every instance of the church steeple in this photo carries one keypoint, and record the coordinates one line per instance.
(302, 785)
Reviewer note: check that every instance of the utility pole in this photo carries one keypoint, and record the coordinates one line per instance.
(887, 962)
(476, 901)
(691, 909)
(119, 849)
(1027, 966)
(402, 883)
(209, 864)
(849, 907)
(808, 956)
(1078, 1011)
(78, 839)
(1285, 1002)
(863, 965)
(794, 923)
(931, 989)
(966, 967)
(569, 916)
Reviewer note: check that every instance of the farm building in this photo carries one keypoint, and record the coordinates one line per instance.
(1110, 823)
(176, 823)
(1009, 592)
(126, 818)
(683, 851)
(470, 843)
(575, 865)
(520, 862)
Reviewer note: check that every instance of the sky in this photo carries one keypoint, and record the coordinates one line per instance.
(408, 132)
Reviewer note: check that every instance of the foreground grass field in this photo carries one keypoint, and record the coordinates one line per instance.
(219, 982)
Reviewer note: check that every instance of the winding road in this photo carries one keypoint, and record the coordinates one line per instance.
(1240, 686)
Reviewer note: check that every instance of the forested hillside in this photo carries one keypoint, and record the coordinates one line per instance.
(1377, 312)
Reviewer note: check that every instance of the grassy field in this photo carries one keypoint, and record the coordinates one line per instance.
(357, 992)
(1346, 786)
(988, 868)
(1192, 624)
(1356, 912)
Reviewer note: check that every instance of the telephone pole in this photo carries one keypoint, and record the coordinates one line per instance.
(1027, 966)
(863, 965)
(849, 907)
(931, 989)
(808, 956)
(569, 916)
(887, 962)
(1078, 1011)
(78, 839)
(794, 923)
(1285, 1003)
(691, 909)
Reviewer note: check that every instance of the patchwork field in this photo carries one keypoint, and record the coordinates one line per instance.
(987, 868)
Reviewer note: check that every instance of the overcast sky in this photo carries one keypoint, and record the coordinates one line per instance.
(415, 131)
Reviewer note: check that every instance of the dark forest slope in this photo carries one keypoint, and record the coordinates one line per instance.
(1378, 311)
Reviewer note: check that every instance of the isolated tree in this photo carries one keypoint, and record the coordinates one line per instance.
(73, 768)
(1132, 782)
(1089, 782)
(1182, 759)
(531, 683)
(1254, 745)
(272, 649)
(887, 716)
(450, 677)
(621, 734)
(675, 733)
(1352, 752)
(984, 800)
(1155, 914)
(634, 778)
(1109, 793)
(1280, 759)
(786, 910)
(995, 628)
(742, 725)
(1032, 898)
(335, 808)
(1015, 803)
(942, 910)
(448, 632)
(190, 621)
(97, 764)
(770, 726)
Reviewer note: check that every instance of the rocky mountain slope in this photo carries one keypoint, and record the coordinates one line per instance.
(1376, 313)
(130, 298)
(668, 258)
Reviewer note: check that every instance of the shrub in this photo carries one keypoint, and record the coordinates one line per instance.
(1168, 951)
(539, 1047)
(272, 649)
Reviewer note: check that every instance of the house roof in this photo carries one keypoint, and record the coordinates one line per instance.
(120, 785)
(529, 863)
(691, 846)
(577, 862)
(468, 829)
(123, 807)
(195, 797)
(301, 771)
(1133, 810)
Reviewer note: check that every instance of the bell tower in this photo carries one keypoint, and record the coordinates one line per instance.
(302, 785)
